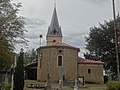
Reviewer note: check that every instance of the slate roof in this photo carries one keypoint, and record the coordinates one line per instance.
(87, 61)
(54, 28)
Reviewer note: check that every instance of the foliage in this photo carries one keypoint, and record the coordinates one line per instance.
(30, 56)
(11, 31)
(6, 59)
(113, 85)
(19, 73)
(101, 44)
(7, 87)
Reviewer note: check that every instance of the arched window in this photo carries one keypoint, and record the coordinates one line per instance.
(59, 60)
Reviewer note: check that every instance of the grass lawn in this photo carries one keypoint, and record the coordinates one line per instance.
(95, 87)
(88, 86)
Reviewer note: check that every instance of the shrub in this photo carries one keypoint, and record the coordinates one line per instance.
(7, 87)
(113, 85)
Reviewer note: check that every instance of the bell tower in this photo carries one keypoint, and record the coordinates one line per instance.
(54, 33)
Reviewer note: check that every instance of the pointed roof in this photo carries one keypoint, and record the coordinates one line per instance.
(54, 21)
(54, 28)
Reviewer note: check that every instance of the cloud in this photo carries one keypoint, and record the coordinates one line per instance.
(35, 43)
(34, 22)
(75, 39)
(31, 35)
(96, 1)
(35, 27)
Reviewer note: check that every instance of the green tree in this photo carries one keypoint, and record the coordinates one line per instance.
(30, 56)
(100, 44)
(19, 73)
(11, 31)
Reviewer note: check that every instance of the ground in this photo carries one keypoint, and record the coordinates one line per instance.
(54, 85)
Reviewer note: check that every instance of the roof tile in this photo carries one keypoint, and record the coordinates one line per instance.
(87, 61)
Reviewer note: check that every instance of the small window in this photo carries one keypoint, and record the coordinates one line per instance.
(59, 60)
(54, 41)
(89, 71)
(60, 51)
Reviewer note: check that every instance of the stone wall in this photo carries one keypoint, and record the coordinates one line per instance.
(92, 73)
(48, 64)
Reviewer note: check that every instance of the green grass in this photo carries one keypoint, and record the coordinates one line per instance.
(88, 86)
(96, 87)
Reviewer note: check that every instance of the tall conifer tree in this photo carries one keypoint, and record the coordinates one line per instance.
(19, 73)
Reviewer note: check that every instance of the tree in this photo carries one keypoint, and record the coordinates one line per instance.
(100, 44)
(11, 32)
(118, 26)
(30, 56)
(19, 73)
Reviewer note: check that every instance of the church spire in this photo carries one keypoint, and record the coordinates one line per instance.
(55, 4)
(54, 28)
(54, 33)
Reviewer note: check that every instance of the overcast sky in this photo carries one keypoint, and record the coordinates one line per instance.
(75, 18)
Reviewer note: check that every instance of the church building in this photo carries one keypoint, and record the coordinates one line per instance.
(60, 61)
(57, 59)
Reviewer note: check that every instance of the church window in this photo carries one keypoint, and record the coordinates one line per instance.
(89, 71)
(60, 51)
(60, 60)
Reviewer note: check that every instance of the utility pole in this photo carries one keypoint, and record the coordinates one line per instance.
(116, 40)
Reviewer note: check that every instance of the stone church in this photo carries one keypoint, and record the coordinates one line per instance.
(60, 61)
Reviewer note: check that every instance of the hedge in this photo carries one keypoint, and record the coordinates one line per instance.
(113, 85)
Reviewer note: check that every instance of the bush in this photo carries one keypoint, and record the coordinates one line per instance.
(7, 87)
(113, 85)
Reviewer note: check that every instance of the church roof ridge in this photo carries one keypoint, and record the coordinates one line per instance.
(60, 44)
(88, 61)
